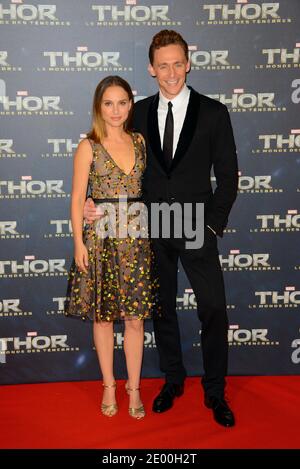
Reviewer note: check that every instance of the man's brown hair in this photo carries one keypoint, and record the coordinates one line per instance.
(166, 37)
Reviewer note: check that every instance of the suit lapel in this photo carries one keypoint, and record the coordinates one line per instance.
(188, 128)
(186, 135)
(153, 132)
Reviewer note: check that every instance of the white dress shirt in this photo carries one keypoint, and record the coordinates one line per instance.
(180, 104)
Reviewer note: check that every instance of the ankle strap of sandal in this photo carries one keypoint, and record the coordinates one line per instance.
(109, 386)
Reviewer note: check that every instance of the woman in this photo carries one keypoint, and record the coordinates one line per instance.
(111, 277)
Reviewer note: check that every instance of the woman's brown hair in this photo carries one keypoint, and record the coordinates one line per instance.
(98, 131)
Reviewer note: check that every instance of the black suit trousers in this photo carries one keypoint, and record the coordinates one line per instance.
(203, 270)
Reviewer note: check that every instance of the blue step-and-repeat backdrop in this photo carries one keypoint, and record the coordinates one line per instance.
(245, 54)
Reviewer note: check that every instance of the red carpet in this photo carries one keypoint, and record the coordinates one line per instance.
(66, 415)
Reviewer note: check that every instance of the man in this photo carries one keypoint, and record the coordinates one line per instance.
(186, 135)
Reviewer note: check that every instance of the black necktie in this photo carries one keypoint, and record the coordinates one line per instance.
(168, 136)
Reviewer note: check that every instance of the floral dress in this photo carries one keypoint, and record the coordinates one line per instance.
(121, 282)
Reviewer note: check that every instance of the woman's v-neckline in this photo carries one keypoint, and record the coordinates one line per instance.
(114, 162)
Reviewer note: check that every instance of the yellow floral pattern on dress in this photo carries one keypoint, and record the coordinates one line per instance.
(121, 282)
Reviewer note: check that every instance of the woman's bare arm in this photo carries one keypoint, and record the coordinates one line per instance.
(82, 161)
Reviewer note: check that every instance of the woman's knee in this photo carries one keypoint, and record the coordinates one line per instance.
(136, 325)
(103, 324)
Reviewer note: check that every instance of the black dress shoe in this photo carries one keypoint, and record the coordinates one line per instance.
(164, 401)
(221, 410)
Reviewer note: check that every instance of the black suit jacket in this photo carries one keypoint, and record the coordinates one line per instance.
(206, 141)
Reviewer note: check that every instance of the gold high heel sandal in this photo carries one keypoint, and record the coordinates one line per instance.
(135, 412)
(109, 410)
